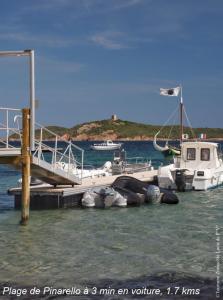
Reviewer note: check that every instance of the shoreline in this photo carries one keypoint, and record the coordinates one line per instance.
(137, 139)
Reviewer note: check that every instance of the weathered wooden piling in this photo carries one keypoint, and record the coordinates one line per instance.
(26, 157)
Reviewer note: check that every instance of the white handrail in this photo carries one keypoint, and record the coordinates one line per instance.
(67, 156)
(9, 116)
(12, 109)
(60, 157)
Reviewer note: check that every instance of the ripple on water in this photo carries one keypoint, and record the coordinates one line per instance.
(67, 247)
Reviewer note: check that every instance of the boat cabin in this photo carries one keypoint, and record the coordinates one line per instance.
(199, 155)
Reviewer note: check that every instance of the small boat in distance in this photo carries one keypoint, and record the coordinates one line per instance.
(107, 145)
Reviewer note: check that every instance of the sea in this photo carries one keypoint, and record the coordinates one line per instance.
(153, 251)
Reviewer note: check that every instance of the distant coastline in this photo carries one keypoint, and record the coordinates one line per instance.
(121, 130)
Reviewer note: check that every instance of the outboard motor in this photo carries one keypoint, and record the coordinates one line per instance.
(180, 180)
(153, 193)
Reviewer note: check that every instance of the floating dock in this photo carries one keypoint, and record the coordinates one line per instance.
(49, 197)
(61, 169)
(63, 187)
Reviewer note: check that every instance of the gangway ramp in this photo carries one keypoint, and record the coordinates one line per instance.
(48, 163)
(39, 168)
(10, 156)
(49, 174)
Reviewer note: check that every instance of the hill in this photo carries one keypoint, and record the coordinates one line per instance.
(125, 130)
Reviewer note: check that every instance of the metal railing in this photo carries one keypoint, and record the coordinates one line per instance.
(137, 160)
(9, 126)
(137, 164)
(68, 158)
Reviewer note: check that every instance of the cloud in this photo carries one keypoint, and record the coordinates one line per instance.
(121, 4)
(58, 65)
(49, 5)
(121, 88)
(89, 6)
(15, 34)
(46, 66)
(101, 6)
(109, 40)
(117, 40)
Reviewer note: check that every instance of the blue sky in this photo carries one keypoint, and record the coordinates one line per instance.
(95, 58)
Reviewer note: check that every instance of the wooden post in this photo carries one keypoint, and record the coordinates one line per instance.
(25, 165)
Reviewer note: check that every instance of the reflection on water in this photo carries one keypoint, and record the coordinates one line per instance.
(67, 246)
(124, 247)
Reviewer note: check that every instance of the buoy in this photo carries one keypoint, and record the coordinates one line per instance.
(115, 199)
(103, 197)
(169, 198)
(88, 199)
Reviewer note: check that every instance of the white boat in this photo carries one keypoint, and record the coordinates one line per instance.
(199, 167)
(107, 145)
(88, 171)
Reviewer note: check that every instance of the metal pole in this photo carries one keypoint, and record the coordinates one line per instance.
(40, 145)
(25, 166)
(7, 130)
(181, 115)
(32, 100)
(55, 154)
(82, 163)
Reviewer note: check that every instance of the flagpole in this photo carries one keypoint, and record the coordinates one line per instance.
(181, 114)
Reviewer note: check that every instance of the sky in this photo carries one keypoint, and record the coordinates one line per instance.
(95, 58)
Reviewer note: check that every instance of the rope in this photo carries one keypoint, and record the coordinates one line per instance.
(189, 123)
(172, 127)
(171, 116)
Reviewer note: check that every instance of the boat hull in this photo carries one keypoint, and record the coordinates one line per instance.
(105, 148)
(187, 180)
(171, 152)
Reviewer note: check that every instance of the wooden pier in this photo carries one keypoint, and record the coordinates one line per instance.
(49, 197)
(62, 187)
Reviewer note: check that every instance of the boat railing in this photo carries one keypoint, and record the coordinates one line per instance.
(88, 167)
(10, 127)
(134, 168)
(137, 160)
(137, 164)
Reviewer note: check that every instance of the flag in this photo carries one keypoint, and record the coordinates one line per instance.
(170, 92)
(202, 136)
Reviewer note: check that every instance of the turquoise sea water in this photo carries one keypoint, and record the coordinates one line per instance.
(152, 245)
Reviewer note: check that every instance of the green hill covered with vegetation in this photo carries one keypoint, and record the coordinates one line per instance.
(120, 129)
